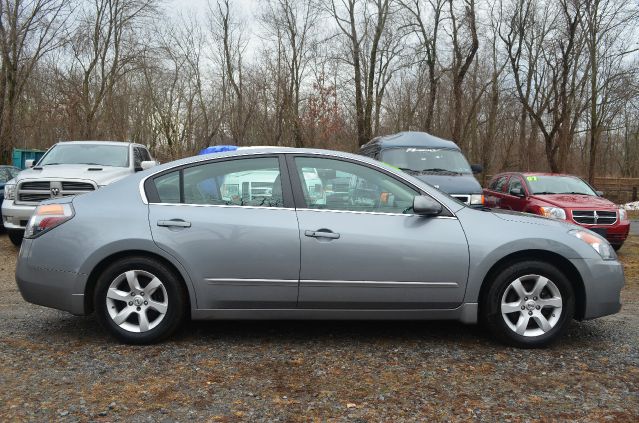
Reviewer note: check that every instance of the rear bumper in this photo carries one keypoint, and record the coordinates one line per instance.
(603, 281)
(48, 287)
(14, 216)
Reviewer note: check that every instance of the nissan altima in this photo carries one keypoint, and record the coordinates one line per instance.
(276, 233)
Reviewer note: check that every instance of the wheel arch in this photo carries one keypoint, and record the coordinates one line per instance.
(560, 262)
(89, 289)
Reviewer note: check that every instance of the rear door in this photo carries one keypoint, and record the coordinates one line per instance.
(230, 222)
(361, 248)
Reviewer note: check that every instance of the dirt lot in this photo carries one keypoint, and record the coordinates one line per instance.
(54, 366)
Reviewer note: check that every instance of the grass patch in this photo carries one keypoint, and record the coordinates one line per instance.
(633, 214)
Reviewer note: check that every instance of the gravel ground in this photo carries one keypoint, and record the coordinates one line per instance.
(57, 367)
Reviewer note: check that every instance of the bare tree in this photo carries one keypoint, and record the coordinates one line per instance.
(605, 22)
(427, 31)
(231, 46)
(292, 27)
(28, 31)
(103, 50)
(363, 38)
(463, 56)
(546, 44)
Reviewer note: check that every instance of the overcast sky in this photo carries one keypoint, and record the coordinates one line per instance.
(247, 7)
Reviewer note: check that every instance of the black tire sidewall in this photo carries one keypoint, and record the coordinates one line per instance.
(491, 303)
(15, 236)
(175, 292)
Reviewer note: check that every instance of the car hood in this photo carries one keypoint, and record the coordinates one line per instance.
(101, 175)
(575, 201)
(452, 184)
(533, 219)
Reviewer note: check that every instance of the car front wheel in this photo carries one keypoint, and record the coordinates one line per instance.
(140, 300)
(529, 304)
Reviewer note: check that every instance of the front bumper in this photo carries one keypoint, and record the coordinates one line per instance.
(615, 234)
(48, 287)
(603, 281)
(15, 216)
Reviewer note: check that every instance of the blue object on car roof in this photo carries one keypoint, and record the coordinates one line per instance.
(217, 149)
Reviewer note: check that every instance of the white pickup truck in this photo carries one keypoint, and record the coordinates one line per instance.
(68, 168)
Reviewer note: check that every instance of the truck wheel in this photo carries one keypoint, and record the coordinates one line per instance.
(529, 304)
(139, 300)
(15, 236)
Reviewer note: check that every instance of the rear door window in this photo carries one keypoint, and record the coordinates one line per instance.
(498, 184)
(253, 182)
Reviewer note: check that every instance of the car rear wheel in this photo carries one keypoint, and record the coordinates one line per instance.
(529, 304)
(140, 300)
(15, 236)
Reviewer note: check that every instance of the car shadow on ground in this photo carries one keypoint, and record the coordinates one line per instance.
(85, 329)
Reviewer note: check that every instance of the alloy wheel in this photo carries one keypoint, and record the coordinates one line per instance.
(531, 305)
(137, 301)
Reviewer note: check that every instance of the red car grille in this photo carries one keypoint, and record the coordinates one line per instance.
(594, 217)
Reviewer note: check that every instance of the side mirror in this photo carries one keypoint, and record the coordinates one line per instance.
(599, 193)
(426, 206)
(148, 164)
(476, 168)
(28, 163)
(517, 192)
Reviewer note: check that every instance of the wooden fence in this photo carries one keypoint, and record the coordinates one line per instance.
(619, 190)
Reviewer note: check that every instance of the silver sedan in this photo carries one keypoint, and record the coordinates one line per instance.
(275, 233)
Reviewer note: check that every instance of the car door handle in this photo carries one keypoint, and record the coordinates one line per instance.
(322, 234)
(174, 223)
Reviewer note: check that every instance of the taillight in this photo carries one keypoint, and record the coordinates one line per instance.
(47, 217)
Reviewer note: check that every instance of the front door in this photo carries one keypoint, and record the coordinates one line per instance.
(362, 248)
(228, 223)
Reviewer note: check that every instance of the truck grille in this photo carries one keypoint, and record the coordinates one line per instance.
(33, 192)
(594, 217)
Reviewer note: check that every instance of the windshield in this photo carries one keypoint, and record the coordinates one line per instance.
(426, 159)
(558, 185)
(89, 154)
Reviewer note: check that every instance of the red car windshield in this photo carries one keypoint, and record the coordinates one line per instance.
(547, 184)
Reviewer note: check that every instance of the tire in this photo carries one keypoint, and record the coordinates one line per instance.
(15, 236)
(155, 311)
(616, 246)
(554, 303)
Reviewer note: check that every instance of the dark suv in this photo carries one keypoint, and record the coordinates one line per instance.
(434, 160)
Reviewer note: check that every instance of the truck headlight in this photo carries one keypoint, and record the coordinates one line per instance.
(553, 212)
(47, 217)
(10, 192)
(477, 199)
(623, 214)
(599, 244)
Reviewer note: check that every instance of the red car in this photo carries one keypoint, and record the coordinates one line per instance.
(558, 196)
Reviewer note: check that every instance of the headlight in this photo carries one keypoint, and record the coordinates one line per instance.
(599, 244)
(47, 217)
(623, 215)
(477, 199)
(553, 212)
(10, 192)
